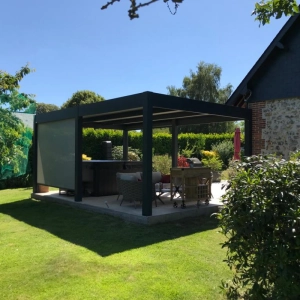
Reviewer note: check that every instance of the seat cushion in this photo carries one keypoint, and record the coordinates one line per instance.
(128, 177)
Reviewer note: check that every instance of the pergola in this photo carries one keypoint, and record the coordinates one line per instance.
(58, 134)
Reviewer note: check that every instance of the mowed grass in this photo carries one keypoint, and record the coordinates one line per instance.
(51, 251)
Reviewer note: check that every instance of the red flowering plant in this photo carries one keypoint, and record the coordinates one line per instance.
(182, 162)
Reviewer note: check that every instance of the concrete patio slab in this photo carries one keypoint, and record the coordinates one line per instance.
(109, 205)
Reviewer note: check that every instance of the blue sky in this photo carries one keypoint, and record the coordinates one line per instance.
(73, 45)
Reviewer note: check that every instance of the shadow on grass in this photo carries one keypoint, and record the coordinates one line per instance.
(102, 234)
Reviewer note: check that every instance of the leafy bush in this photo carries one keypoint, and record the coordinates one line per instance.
(225, 151)
(93, 138)
(182, 162)
(261, 220)
(162, 163)
(133, 154)
(231, 171)
(16, 182)
(214, 138)
(190, 144)
(213, 162)
(295, 155)
(208, 154)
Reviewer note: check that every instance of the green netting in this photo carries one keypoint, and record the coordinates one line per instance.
(17, 155)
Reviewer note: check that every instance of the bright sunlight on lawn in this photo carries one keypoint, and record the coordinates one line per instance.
(50, 251)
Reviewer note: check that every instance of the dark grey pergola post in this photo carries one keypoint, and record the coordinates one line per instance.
(78, 159)
(125, 144)
(248, 137)
(174, 144)
(147, 158)
(35, 155)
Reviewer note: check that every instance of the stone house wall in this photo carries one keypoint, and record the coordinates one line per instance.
(276, 126)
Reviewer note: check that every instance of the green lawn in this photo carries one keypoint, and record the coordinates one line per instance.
(50, 251)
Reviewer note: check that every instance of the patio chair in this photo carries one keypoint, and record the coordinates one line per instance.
(133, 191)
(120, 175)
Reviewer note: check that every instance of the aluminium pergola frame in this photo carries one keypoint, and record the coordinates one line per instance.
(139, 111)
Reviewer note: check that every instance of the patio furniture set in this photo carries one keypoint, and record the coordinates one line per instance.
(186, 184)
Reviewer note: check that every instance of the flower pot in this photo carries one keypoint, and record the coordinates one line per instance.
(216, 176)
(42, 188)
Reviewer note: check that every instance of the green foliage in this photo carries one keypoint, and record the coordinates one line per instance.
(135, 140)
(133, 154)
(82, 97)
(162, 142)
(44, 108)
(212, 138)
(213, 162)
(192, 142)
(16, 182)
(204, 85)
(92, 140)
(295, 155)
(195, 149)
(117, 152)
(187, 151)
(230, 172)
(161, 130)
(162, 163)
(261, 220)
(225, 150)
(267, 9)
(12, 130)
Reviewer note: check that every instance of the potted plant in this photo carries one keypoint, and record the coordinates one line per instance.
(215, 164)
(43, 188)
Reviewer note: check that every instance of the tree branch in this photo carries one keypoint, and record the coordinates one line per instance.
(109, 3)
(133, 8)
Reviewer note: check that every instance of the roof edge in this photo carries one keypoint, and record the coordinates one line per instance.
(242, 87)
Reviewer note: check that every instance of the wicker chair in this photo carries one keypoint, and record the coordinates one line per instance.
(133, 176)
(133, 191)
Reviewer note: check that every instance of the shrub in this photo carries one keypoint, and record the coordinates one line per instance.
(133, 154)
(295, 155)
(182, 162)
(225, 151)
(214, 138)
(213, 162)
(231, 171)
(261, 220)
(208, 154)
(190, 144)
(16, 182)
(162, 163)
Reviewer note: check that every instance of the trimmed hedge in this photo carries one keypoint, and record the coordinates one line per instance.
(214, 138)
(162, 142)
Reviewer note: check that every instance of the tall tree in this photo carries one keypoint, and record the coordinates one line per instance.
(82, 97)
(204, 85)
(44, 108)
(11, 128)
(264, 10)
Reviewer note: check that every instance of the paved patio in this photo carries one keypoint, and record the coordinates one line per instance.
(162, 213)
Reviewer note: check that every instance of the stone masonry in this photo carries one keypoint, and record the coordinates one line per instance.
(279, 122)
